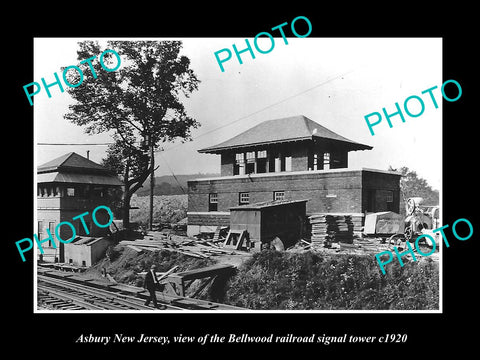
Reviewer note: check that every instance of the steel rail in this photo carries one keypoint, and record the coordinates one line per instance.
(67, 298)
(103, 296)
(97, 301)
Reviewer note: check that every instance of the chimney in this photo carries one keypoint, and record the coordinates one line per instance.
(88, 154)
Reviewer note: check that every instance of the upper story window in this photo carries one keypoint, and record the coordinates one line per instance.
(240, 158)
(250, 166)
(261, 161)
(326, 161)
(70, 191)
(288, 163)
(250, 156)
(262, 154)
(239, 167)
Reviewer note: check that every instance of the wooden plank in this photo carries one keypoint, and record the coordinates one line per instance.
(134, 248)
(203, 286)
(216, 235)
(167, 273)
(204, 272)
(213, 245)
(183, 252)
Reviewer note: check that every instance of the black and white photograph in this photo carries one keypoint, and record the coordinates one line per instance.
(260, 187)
(241, 182)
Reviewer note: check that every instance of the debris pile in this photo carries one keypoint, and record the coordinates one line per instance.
(157, 241)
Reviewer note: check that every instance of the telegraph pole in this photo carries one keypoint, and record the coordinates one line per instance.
(152, 181)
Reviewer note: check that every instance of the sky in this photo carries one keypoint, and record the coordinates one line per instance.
(333, 81)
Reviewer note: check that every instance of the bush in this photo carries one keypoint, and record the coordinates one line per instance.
(279, 280)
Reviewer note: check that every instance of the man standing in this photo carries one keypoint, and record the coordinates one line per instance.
(151, 283)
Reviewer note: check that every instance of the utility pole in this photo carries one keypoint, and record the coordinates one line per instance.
(152, 180)
(126, 197)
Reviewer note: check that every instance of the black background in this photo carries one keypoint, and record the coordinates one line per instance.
(49, 335)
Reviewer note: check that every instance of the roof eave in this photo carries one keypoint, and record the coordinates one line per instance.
(220, 149)
(353, 146)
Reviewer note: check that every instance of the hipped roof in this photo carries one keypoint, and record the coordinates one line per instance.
(289, 129)
(75, 178)
(74, 168)
(71, 162)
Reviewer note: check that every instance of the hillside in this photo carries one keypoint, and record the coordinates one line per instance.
(273, 280)
(170, 185)
(167, 209)
(308, 280)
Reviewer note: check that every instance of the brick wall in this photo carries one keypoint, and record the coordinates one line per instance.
(336, 191)
(327, 191)
(211, 219)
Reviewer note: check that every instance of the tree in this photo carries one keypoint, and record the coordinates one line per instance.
(139, 103)
(130, 163)
(413, 186)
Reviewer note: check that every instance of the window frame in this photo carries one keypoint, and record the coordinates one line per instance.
(213, 202)
(242, 196)
(389, 196)
(277, 192)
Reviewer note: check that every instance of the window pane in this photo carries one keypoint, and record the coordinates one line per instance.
(213, 202)
(288, 163)
(262, 154)
(278, 164)
(279, 195)
(389, 196)
(244, 198)
(326, 161)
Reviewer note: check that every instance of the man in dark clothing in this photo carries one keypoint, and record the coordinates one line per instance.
(151, 283)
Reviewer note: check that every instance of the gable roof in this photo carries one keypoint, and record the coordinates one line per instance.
(294, 128)
(71, 162)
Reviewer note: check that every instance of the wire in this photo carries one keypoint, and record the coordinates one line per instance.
(75, 144)
(265, 108)
(220, 127)
(208, 132)
(174, 176)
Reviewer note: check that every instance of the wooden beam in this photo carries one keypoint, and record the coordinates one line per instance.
(205, 284)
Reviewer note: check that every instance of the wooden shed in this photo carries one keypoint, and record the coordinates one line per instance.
(263, 222)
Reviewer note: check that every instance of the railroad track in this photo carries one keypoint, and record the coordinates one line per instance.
(69, 291)
(66, 295)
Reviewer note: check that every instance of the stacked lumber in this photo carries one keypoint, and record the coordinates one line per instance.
(322, 230)
(334, 228)
(344, 232)
(357, 222)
